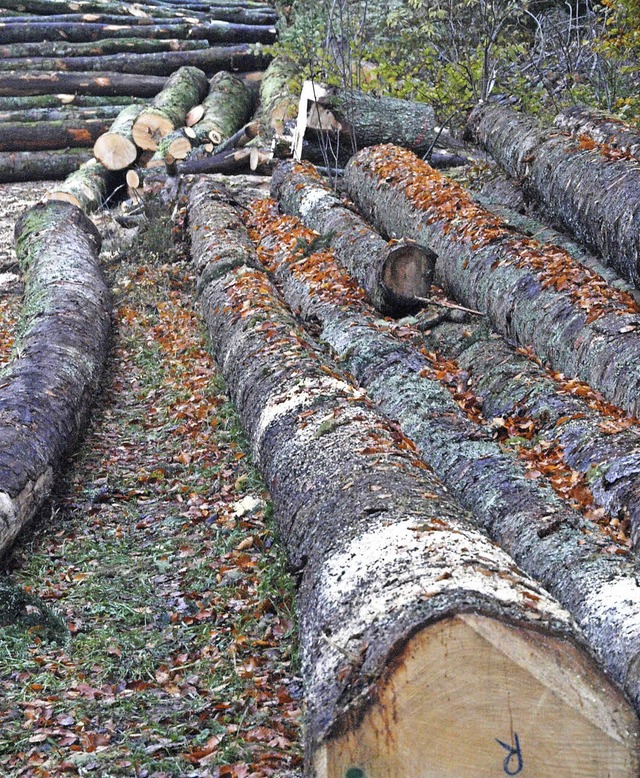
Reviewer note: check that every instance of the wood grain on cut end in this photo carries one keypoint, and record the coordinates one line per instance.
(149, 129)
(408, 270)
(115, 151)
(472, 697)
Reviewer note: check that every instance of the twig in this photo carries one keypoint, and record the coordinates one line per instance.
(456, 307)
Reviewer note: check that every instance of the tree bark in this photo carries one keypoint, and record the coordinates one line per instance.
(392, 275)
(176, 145)
(603, 129)
(278, 102)
(60, 134)
(228, 162)
(570, 556)
(227, 108)
(382, 580)
(581, 186)
(48, 386)
(115, 148)
(41, 165)
(63, 112)
(53, 7)
(61, 101)
(183, 89)
(87, 188)
(161, 63)
(108, 84)
(20, 54)
(71, 32)
(535, 295)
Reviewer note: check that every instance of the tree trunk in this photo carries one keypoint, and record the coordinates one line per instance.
(62, 113)
(87, 187)
(571, 557)
(60, 101)
(115, 149)
(226, 109)
(585, 188)
(41, 165)
(60, 134)
(535, 295)
(240, 138)
(161, 63)
(184, 89)
(20, 53)
(278, 101)
(389, 587)
(70, 32)
(49, 384)
(603, 129)
(392, 275)
(228, 162)
(121, 84)
(53, 7)
(176, 145)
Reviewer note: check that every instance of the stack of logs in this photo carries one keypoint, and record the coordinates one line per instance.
(67, 69)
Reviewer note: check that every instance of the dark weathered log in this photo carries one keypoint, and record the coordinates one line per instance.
(41, 165)
(115, 149)
(60, 134)
(163, 63)
(183, 89)
(211, 31)
(394, 577)
(392, 275)
(61, 101)
(535, 295)
(603, 129)
(87, 188)
(62, 112)
(571, 557)
(52, 7)
(49, 384)
(240, 138)
(17, 83)
(17, 56)
(226, 109)
(228, 162)
(585, 188)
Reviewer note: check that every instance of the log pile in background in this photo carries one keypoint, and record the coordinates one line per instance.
(400, 593)
(591, 189)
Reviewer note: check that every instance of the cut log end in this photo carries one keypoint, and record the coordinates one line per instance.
(115, 151)
(408, 271)
(149, 129)
(194, 115)
(470, 697)
(65, 197)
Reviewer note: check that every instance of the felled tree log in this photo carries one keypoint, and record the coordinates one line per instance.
(48, 386)
(87, 188)
(60, 134)
(15, 52)
(115, 148)
(41, 165)
(575, 561)
(225, 109)
(183, 89)
(228, 162)
(603, 129)
(393, 275)
(163, 63)
(389, 587)
(109, 84)
(584, 187)
(533, 294)
(71, 32)
(278, 102)
(62, 112)
(61, 101)
(176, 145)
(52, 7)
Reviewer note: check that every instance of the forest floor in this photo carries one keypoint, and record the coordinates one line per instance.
(175, 651)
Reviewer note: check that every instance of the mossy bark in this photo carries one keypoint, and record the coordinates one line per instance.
(368, 527)
(61, 101)
(18, 56)
(87, 187)
(48, 385)
(585, 188)
(227, 108)
(533, 294)
(570, 557)
(278, 101)
(60, 112)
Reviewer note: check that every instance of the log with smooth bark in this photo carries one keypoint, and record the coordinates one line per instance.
(393, 275)
(52, 7)
(115, 148)
(231, 161)
(182, 90)
(603, 129)
(226, 108)
(570, 556)
(210, 59)
(23, 51)
(394, 577)
(87, 188)
(588, 189)
(41, 165)
(49, 384)
(62, 100)
(61, 112)
(59, 134)
(108, 84)
(533, 294)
